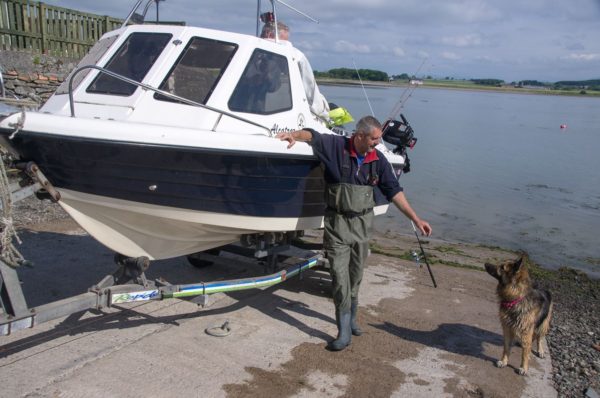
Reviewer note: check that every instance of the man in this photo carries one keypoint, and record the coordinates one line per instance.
(268, 31)
(352, 168)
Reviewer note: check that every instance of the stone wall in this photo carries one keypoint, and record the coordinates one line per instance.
(33, 76)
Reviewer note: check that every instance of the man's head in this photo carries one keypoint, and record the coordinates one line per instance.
(367, 135)
(268, 31)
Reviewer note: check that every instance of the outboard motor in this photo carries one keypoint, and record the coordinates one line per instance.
(400, 134)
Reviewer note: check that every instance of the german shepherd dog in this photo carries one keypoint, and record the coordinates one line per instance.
(525, 311)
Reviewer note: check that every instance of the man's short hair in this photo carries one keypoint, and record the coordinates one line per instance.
(367, 124)
(268, 30)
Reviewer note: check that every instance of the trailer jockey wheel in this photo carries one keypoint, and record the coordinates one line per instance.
(199, 262)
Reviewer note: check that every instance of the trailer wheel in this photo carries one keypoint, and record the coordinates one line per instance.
(198, 262)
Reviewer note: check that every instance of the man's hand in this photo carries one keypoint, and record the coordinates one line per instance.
(293, 136)
(287, 136)
(424, 227)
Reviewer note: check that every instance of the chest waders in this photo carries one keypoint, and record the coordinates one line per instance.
(348, 223)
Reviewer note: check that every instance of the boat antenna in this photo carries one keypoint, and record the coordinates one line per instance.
(139, 18)
(296, 10)
(406, 94)
(363, 88)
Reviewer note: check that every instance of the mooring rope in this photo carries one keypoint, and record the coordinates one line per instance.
(18, 125)
(8, 252)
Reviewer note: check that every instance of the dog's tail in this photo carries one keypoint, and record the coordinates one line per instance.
(543, 321)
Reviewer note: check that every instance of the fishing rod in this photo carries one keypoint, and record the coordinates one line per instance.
(399, 132)
(423, 253)
(363, 88)
(405, 95)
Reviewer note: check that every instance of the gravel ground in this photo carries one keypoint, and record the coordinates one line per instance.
(33, 211)
(574, 338)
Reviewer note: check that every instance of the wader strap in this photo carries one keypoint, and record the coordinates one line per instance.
(346, 167)
(373, 178)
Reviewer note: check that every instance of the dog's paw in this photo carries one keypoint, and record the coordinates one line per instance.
(540, 354)
(500, 364)
(521, 371)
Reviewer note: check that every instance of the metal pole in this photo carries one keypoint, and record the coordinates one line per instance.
(2, 84)
(257, 17)
(275, 22)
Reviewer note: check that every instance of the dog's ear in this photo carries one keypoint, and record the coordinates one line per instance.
(518, 264)
(492, 270)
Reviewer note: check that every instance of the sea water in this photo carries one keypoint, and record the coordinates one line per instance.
(498, 169)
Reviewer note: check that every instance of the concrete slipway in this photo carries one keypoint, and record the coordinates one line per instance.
(419, 341)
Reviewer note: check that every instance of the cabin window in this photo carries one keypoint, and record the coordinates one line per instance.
(91, 58)
(308, 79)
(198, 70)
(264, 87)
(133, 60)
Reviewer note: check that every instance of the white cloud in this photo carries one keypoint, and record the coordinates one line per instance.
(422, 54)
(398, 51)
(343, 46)
(450, 55)
(309, 45)
(470, 40)
(581, 57)
(472, 10)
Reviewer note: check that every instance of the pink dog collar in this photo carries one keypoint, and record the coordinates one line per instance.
(510, 304)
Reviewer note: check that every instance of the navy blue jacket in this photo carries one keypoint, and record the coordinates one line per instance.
(329, 149)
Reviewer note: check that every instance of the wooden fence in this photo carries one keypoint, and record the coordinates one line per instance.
(38, 27)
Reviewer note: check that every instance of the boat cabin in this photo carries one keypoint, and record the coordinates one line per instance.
(193, 78)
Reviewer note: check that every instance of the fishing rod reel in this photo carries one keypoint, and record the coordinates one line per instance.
(401, 134)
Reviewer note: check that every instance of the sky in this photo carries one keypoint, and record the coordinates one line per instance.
(512, 40)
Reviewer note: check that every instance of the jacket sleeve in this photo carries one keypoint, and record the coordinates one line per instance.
(324, 146)
(388, 183)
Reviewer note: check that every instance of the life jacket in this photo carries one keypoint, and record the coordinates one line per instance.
(339, 116)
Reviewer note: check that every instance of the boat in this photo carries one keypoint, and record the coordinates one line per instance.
(161, 142)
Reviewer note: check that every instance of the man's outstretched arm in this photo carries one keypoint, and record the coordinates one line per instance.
(402, 204)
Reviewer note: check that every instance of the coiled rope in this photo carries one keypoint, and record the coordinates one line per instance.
(8, 252)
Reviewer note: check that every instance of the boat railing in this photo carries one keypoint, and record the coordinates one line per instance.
(161, 92)
(139, 18)
(2, 91)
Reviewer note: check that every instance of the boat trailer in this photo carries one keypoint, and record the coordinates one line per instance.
(128, 284)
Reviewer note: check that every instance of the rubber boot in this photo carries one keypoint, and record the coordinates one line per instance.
(356, 330)
(344, 332)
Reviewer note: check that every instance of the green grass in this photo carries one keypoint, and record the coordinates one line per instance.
(450, 249)
(407, 255)
(466, 85)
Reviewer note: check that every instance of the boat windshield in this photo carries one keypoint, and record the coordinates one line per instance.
(264, 87)
(198, 70)
(133, 59)
(91, 58)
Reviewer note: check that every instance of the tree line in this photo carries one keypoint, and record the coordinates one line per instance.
(380, 76)
(593, 84)
(352, 74)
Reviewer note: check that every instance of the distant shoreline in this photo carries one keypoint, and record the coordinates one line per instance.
(460, 87)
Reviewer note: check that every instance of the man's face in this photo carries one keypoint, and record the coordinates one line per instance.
(367, 143)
